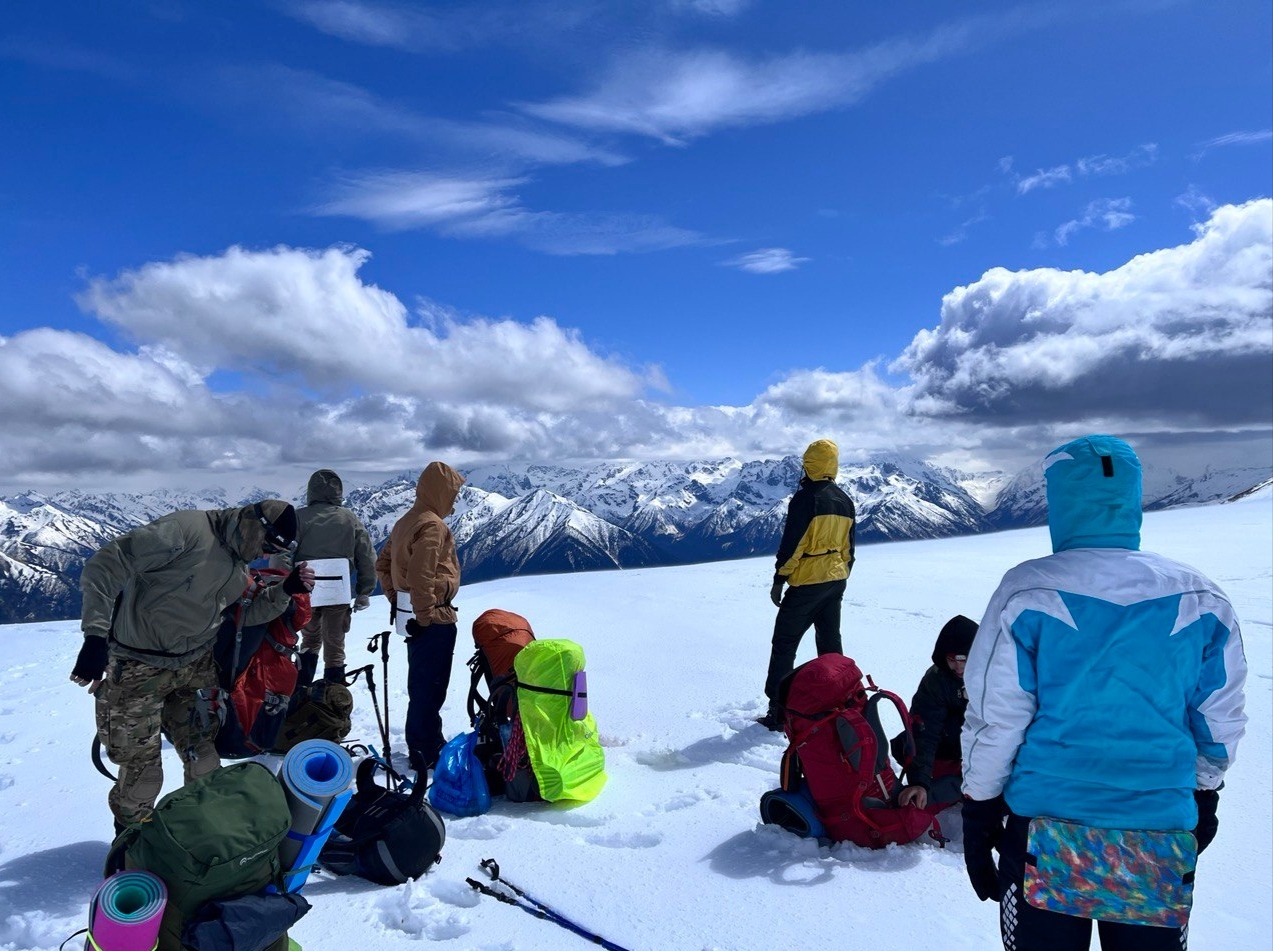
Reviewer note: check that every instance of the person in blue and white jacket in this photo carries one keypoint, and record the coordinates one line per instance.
(1105, 688)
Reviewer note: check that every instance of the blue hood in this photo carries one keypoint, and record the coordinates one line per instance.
(1094, 494)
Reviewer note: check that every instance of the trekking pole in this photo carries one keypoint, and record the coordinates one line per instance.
(381, 724)
(383, 639)
(537, 912)
(534, 906)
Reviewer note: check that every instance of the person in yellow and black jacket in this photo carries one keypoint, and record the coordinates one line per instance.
(815, 557)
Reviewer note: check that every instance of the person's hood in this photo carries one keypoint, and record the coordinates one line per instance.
(955, 638)
(822, 460)
(242, 531)
(438, 486)
(325, 486)
(1094, 494)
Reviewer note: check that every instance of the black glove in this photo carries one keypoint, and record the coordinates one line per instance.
(91, 662)
(775, 594)
(1208, 822)
(414, 628)
(983, 827)
(293, 584)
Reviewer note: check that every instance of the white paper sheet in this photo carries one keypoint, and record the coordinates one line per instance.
(332, 582)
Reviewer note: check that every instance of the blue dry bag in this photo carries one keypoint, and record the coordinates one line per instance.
(459, 784)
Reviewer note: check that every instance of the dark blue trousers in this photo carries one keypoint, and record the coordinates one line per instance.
(429, 656)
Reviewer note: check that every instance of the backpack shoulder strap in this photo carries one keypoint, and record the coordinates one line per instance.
(119, 848)
(480, 667)
(872, 714)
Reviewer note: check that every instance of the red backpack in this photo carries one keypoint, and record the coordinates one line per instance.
(257, 669)
(501, 745)
(837, 746)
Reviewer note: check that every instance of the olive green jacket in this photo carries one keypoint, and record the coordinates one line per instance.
(327, 529)
(157, 592)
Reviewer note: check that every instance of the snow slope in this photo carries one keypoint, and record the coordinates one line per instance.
(671, 855)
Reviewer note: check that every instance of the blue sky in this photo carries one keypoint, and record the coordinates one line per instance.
(538, 230)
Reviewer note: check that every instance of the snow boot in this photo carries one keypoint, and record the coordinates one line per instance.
(307, 665)
(334, 675)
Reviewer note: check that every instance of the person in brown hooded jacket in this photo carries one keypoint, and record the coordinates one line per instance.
(419, 562)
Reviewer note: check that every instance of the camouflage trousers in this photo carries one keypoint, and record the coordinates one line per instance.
(136, 706)
(327, 627)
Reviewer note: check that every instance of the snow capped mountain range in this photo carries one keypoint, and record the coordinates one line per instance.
(537, 519)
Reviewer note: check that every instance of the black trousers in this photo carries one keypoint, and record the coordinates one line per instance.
(1026, 928)
(429, 656)
(810, 605)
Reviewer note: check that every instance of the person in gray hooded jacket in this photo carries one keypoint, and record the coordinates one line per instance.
(325, 528)
(153, 602)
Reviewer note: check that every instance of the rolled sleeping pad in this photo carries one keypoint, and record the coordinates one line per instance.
(793, 810)
(316, 777)
(125, 912)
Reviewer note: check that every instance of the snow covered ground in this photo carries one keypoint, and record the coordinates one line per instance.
(671, 855)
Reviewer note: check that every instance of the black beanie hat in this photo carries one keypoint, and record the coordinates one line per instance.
(955, 638)
(279, 520)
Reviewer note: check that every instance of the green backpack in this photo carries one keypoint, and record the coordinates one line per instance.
(323, 713)
(216, 837)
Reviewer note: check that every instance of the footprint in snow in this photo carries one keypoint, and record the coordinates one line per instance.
(6, 780)
(478, 827)
(418, 914)
(682, 801)
(625, 840)
(455, 893)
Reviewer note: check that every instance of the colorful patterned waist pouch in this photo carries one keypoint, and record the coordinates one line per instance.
(1136, 876)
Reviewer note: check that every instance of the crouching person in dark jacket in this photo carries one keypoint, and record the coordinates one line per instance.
(934, 776)
(153, 599)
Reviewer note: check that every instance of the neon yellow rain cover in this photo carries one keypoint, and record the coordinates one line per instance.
(564, 753)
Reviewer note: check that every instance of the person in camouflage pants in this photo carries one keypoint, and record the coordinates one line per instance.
(136, 704)
(153, 603)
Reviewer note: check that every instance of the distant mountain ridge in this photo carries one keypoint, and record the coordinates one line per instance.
(536, 519)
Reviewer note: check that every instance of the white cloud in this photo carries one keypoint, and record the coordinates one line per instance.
(766, 261)
(960, 234)
(1177, 337)
(1233, 138)
(320, 105)
(445, 28)
(480, 207)
(1176, 346)
(408, 199)
(679, 96)
(1044, 178)
(1196, 202)
(1091, 165)
(717, 8)
(302, 316)
(1108, 214)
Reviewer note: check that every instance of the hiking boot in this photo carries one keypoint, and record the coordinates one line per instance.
(771, 721)
(334, 675)
(307, 663)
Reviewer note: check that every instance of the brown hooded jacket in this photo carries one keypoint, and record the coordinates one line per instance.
(419, 556)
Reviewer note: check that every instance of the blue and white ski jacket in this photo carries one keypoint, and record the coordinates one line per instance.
(1105, 683)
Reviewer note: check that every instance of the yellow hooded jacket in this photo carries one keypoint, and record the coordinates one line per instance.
(817, 540)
